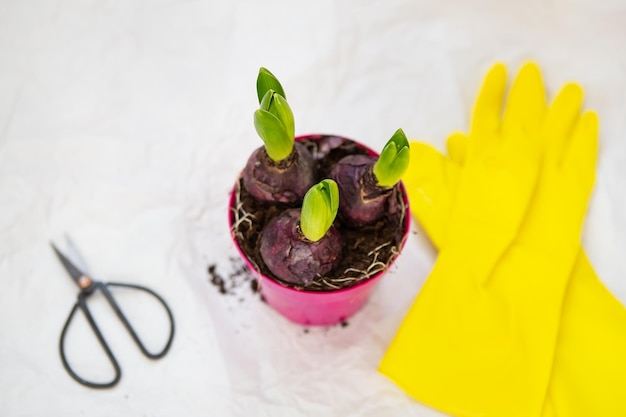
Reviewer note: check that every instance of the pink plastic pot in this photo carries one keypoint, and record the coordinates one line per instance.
(316, 308)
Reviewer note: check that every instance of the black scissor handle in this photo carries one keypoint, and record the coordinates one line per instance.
(130, 329)
(82, 305)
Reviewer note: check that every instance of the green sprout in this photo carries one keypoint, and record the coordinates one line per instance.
(319, 209)
(273, 121)
(393, 161)
(267, 81)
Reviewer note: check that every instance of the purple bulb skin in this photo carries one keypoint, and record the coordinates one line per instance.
(361, 200)
(292, 257)
(283, 182)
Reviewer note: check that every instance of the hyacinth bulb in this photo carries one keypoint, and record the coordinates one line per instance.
(301, 244)
(366, 182)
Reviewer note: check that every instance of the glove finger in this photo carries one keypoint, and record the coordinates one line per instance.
(526, 103)
(582, 152)
(423, 162)
(524, 115)
(430, 182)
(488, 107)
(456, 145)
(561, 120)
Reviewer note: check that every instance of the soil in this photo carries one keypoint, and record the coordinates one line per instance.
(366, 251)
(238, 277)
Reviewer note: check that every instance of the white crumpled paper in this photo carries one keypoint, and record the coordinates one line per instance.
(124, 125)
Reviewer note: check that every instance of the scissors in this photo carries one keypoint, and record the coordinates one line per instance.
(88, 287)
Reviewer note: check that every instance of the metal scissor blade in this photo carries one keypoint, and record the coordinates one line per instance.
(77, 275)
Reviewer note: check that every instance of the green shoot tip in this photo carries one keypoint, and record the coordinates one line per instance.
(393, 161)
(274, 123)
(267, 81)
(319, 209)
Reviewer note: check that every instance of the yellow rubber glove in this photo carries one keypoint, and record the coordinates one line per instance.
(481, 343)
(589, 371)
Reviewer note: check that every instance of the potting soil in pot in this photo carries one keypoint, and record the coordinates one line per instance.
(367, 250)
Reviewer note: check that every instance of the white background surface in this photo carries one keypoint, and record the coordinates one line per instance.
(124, 125)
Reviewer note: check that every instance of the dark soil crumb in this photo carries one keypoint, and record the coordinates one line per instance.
(231, 284)
(342, 325)
(217, 279)
(367, 250)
